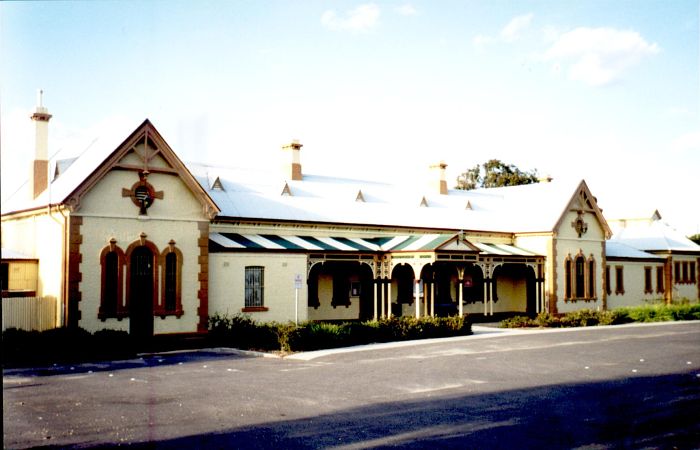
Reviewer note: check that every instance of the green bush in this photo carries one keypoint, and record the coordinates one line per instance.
(653, 312)
(64, 345)
(240, 331)
(519, 322)
(243, 332)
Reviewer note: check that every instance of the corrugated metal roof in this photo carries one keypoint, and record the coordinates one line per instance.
(617, 249)
(651, 235)
(256, 194)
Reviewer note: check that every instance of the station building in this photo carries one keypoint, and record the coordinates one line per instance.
(129, 237)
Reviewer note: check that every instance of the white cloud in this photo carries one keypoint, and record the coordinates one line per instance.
(599, 56)
(407, 10)
(362, 18)
(512, 31)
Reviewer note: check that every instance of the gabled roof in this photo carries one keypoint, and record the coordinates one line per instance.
(583, 201)
(255, 194)
(102, 155)
(652, 235)
(244, 193)
(618, 250)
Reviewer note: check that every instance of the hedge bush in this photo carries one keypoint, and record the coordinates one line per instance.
(64, 345)
(589, 317)
(242, 332)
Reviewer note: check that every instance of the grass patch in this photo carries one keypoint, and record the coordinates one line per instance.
(657, 312)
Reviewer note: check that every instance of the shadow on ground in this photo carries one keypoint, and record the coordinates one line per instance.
(141, 361)
(643, 412)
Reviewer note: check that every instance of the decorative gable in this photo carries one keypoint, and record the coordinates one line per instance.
(581, 211)
(144, 153)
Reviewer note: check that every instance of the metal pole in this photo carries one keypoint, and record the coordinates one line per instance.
(296, 306)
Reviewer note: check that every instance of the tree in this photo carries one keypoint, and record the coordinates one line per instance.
(496, 173)
(695, 238)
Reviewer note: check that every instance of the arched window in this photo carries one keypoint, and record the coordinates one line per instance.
(591, 278)
(112, 263)
(567, 278)
(580, 277)
(170, 262)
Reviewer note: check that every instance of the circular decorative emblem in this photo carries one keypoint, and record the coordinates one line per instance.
(143, 195)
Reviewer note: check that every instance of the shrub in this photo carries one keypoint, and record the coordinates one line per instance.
(64, 345)
(518, 322)
(653, 312)
(240, 331)
(581, 318)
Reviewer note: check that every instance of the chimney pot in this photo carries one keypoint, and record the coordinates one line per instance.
(40, 167)
(291, 168)
(438, 179)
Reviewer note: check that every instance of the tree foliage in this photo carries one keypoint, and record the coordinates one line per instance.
(695, 238)
(494, 173)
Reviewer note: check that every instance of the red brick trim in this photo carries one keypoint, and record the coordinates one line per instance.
(120, 310)
(142, 242)
(160, 309)
(553, 282)
(203, 278)
(75, 257)
(248, 309)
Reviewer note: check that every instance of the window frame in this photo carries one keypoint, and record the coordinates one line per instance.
(648, 285)
(660, 280)
(619, 280)
(120, 310)
(251, 285)
(161, 307)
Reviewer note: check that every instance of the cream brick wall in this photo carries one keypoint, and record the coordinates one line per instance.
(633, 281)
(686, 290)
(105, 199)
(39, 236)
(96, 235)
(106, 214)
(227, 284)
(568, 243)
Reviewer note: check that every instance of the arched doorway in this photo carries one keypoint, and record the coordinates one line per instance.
(340, 290)
(141, 292)
(403, 290)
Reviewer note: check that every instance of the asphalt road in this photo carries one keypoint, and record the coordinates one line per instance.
(603, 387)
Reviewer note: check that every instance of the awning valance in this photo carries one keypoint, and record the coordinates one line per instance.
(402, 243)
(424, 242)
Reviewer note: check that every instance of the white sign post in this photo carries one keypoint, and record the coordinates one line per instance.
(297, 286)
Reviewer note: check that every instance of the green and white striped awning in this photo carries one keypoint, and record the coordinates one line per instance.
(405, 243)
(425, 242)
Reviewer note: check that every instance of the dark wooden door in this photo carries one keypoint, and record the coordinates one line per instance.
(141, 293)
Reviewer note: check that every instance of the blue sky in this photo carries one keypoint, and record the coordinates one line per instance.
(607, 91)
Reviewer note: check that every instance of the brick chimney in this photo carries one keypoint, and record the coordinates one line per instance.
(438, 182)
(40, 167)
(291, 166)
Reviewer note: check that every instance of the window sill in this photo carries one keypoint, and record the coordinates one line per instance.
(164, 314)
(248, 309)
(582, 299)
